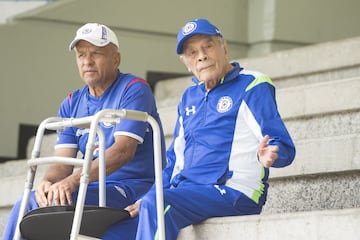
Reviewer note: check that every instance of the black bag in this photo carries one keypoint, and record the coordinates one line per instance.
(55, 222)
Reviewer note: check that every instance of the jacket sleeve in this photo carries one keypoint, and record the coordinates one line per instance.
(260, 99)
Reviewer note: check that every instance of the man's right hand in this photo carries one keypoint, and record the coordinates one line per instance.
(41, 193)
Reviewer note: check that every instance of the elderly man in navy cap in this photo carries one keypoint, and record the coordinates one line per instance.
(227, 135)
(129, 144)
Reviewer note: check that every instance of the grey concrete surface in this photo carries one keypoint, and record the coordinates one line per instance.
(314, 225)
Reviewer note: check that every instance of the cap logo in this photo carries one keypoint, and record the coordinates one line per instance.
(189, 28)
(86, 31)
(103, 33)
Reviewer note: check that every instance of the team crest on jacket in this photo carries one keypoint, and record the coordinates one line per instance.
(224, 104)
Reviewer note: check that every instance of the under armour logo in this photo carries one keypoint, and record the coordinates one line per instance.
(222, 191)
(188, 110)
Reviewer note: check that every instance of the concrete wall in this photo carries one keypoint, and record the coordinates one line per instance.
(281, 24)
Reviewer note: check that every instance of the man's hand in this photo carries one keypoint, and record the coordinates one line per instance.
(267, 154)
(60, 193)
(133, 209)
(48, 194)
(42, 192)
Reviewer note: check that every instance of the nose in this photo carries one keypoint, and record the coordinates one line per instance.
(88, 59)
(202, 56)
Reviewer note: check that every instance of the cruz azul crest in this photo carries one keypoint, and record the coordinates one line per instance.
(224, 104)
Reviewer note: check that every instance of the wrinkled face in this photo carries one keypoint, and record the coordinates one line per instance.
(206, 57)
(97, 65)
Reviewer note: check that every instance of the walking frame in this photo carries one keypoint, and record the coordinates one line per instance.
(108, 116)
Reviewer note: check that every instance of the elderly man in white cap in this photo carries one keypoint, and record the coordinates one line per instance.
(129, 145)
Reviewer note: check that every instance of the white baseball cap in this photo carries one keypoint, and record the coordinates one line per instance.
(95, 33)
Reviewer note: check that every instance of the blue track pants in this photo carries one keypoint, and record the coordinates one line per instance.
(184, 205)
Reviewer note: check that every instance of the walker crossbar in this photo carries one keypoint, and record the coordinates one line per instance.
(49, 160)
(108, 116)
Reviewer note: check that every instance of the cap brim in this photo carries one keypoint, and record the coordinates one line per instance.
(179, 49)
(72, 44)
(92, 41)
(180, 45)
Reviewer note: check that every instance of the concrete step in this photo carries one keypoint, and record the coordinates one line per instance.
(314, 225)
(290, 68)
(293, 102)
(313, 192)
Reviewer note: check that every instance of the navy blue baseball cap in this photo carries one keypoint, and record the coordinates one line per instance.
(196, 26)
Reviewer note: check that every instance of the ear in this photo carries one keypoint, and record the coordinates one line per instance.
(117, 59)
(182, 59)
(225, 47)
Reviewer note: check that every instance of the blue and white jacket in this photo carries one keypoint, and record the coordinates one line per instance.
(217, 134)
